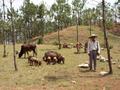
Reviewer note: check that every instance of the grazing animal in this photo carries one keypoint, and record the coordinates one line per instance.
(33, 61)
(25, 48)
(61, 59)
(53, 57)
(65, 45)
(49, 57)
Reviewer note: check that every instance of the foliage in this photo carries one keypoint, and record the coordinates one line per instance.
(36, 20)
(40, 41)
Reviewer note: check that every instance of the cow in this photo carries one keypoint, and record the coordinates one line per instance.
(65, 45)
(33, 61)
(60, 59)
(50, 57)
(25, 48)
(53, 57)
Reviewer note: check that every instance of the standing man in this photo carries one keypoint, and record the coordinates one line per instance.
(93, 49)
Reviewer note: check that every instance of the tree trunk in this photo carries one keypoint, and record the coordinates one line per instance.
(13, 30)
(106, 39)
(4, 36)
(77, 30)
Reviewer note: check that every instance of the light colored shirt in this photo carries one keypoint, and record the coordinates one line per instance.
(93, 46)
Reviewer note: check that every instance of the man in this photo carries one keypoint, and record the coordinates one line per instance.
(93, 50)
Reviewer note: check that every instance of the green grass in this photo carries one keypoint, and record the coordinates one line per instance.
(59, 77)
(51, 75)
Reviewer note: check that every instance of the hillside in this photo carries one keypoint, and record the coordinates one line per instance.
(61, 76)
(69, 35)
(115, 30)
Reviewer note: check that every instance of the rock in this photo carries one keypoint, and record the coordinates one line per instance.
(101, 58)
(102, 48)
(83, 65)
(98, 58)
(118, 60)
(87, 62)
(106, 59)
(103, 73)
(74, 82)
(114, 63)
(118, 66)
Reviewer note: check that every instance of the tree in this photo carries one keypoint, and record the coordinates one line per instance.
(117, 10)
(108, 14)
(41, 13)
(106, 38)
(29, 11)
(13, 35)
(4, 37)
(77, 8)
(87, 18)
(59, 15)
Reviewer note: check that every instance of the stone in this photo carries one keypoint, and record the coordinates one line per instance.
(114, 63)
(83, 65)
(74, 82)
(103, 73)
(118, 66)
(102, 48)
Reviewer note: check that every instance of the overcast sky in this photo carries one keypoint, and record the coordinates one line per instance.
(18, 3)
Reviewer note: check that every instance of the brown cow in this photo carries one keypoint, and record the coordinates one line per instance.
(25, 48)
(33, 61)
(50, 57)
(61, 59)
(65, 45)
(53, 57)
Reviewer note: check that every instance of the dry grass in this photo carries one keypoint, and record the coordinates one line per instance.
(59, 77)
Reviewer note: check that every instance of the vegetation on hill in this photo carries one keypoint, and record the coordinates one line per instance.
(115, 29)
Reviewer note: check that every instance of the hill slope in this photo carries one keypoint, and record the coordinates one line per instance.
(69, 35)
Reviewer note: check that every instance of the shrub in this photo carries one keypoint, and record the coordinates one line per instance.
(40, 41)
(55, 43)
(110, 46)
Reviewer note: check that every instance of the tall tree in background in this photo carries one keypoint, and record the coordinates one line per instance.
(4, 40)
(77, 8)
(41, 13)
(117, 10)
(108, 14)
(29, 12)
(60, 15)
(13, 36)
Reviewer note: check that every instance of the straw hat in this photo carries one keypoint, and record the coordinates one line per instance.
(93, 35)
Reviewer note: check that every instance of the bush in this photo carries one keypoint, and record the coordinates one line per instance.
(110, 46)
(55, 43)
(40, 41)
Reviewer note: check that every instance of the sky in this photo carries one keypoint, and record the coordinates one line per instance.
(17, 3)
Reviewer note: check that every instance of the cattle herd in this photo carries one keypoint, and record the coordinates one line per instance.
(50, 57)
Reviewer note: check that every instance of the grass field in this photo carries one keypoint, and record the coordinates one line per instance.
(59, 77)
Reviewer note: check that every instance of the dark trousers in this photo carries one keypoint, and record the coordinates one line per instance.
(92, 59)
